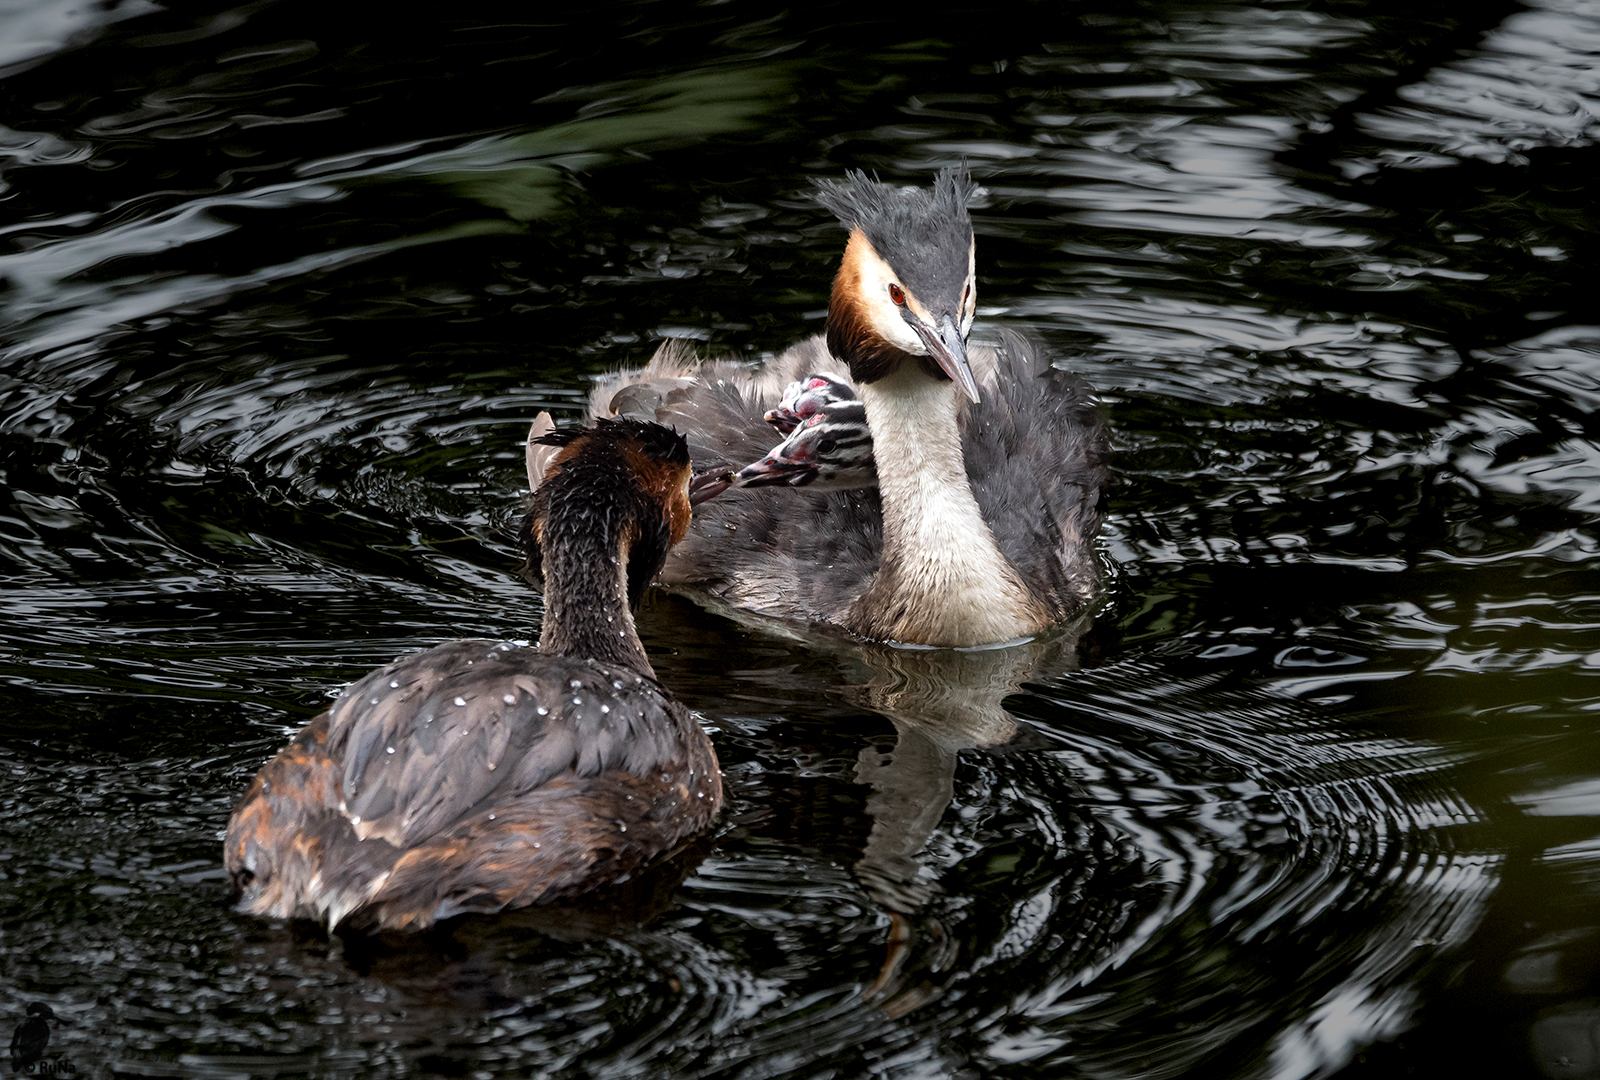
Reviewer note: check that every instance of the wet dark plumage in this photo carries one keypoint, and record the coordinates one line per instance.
(478, 776)
(618, 491)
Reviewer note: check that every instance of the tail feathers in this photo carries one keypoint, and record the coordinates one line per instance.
(321, 871)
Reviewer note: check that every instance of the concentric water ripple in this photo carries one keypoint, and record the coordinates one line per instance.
(1313, 792)
(1262, 883)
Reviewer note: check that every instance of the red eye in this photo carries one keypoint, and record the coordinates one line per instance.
(897, 294)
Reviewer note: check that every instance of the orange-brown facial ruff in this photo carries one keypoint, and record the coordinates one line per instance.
(639, 468)
(664, 483)
(867, 326)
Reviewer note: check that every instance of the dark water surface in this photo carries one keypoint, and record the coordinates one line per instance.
(1316, 791)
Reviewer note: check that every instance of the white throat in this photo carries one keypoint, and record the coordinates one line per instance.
(942, 580)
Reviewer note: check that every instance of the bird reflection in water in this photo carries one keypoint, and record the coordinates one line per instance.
(941, 702)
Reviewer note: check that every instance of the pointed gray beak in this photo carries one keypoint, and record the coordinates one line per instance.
(708, 486)
(949, 351)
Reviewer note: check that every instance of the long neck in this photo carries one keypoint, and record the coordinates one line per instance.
(586, 610)
(942, 579)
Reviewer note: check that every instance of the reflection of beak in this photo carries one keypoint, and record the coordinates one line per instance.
(708, 486)
(770, 471)
(949, 351)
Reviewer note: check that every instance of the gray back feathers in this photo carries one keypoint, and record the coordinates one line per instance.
(1038, 457)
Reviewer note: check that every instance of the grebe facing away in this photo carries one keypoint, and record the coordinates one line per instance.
(479, 776)
(989, 464)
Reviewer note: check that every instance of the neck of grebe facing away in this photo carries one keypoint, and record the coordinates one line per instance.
(901, 308)
(600, 527)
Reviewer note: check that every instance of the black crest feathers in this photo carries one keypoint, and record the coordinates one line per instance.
(872, 205)
(924, 234)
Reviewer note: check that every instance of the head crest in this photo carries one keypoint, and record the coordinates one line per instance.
(924, 235)
(661, 443)
(871, 205)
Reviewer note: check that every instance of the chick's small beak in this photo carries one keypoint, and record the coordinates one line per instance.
(949, 351)
(784, 422)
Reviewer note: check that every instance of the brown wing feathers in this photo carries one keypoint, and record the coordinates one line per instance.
(377, 791)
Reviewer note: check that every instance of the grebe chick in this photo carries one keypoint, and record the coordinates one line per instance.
(478, 776)
(828, 451)
(807, 396)
(827, 444)
(990, 462)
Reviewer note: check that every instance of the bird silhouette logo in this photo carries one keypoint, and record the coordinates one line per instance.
(28, 1042)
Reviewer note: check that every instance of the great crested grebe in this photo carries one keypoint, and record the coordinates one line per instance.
(990, 464)
(479, 776)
